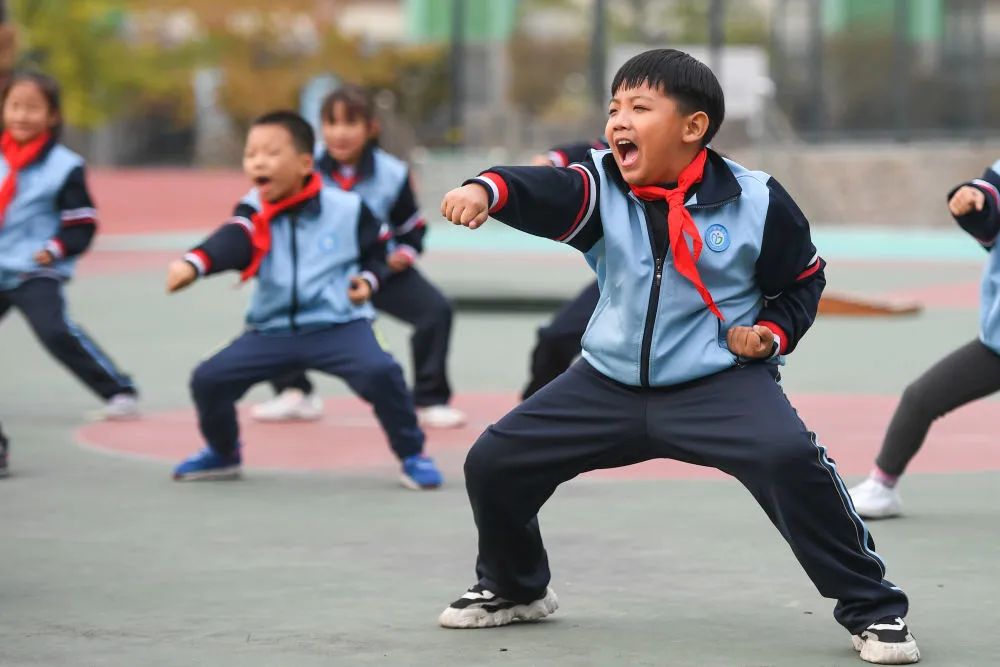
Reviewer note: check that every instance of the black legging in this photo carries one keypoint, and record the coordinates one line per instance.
(41, 302)
(969, 373)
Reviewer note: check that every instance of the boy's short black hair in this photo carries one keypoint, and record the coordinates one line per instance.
(681, 77)
(302, 133)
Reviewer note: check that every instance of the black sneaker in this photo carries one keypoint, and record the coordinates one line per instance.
(479, 608)
(4, 446)
(887, 641)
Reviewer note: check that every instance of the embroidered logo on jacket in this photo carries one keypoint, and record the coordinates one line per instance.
(717, 238)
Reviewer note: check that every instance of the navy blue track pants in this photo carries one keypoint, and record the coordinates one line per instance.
(738, 421)
(43, 305)
(348, 351)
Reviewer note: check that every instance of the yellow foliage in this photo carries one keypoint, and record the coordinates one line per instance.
(117, 56)
(80, 43)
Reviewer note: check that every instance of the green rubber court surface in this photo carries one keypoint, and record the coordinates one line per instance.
(318, 557)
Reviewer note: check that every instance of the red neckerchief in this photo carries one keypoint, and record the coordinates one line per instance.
(681, 224)
(261, 237)
(18, 156)
(345, 182)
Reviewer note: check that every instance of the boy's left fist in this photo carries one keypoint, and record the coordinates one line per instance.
(180, 274)
(359, 291)
(468, 205)
(44, 257)
(400, 260)
(756, 342)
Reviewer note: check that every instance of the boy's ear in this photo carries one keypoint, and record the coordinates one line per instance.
(307, 162)
(374, 128)
(695, 127)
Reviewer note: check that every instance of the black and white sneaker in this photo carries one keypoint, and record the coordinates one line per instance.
(887, 641)
(480, 608)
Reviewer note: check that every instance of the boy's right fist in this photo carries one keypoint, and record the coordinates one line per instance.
(966, 200)
(180, 274)
(468, 205)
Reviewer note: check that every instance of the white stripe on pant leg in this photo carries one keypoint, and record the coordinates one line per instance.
(88, 346)
(845, 498)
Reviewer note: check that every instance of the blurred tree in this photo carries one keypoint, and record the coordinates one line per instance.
(534, 88)
(83, 44)
(267, 53)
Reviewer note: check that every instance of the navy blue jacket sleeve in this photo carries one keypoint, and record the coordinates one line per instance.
(372, 237)
(789, 271)
(984, 226)
(228, 248)
(78, 215)
(408, 225)
(558, 203)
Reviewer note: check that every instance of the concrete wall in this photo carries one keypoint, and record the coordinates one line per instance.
(882, 183)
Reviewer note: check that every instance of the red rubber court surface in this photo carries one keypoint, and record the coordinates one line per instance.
(349, 439)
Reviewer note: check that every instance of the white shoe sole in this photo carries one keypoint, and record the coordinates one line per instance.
(217, 475)
(882, 653)
(464, 619)
(413, 486)
(455, 420)
(880, 512)
(297, 417)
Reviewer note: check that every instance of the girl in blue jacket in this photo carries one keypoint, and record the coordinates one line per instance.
(47, 220)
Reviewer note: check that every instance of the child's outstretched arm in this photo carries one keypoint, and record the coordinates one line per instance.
(408, 227)
(372, 237)
(789, 271)
(555, 203)
(228, 248)
(975, 205)
(79, 221)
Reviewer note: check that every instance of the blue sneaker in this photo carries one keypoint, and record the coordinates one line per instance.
(208, 465)
(419, 473)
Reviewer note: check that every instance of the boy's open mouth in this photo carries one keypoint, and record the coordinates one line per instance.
(628, 152)
(261, 181)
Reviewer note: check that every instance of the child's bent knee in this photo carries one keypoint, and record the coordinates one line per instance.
(377, 373)
(482, 461)
(203, 378)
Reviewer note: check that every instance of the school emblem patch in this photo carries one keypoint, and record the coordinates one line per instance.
(717, 238)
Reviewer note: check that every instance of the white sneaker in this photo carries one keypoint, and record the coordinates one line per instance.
(121, 407)
(874, 500)
(479, 608)
(887, 641)
(290, 405)
(440, 416)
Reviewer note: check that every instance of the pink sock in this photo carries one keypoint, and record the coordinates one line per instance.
(883, 477)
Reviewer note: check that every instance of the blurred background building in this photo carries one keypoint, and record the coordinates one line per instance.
(865, 91)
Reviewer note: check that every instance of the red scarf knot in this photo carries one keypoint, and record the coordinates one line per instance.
(680, 224)
(18, 156)
(260, 239)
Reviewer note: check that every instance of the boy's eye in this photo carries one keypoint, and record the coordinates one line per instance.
(639, 108)
(612, 112)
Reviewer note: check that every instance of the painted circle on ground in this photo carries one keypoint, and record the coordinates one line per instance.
(349, 439)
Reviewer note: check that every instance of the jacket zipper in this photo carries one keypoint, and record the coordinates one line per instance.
(654, 290)
(293, 311)
(654, 300)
